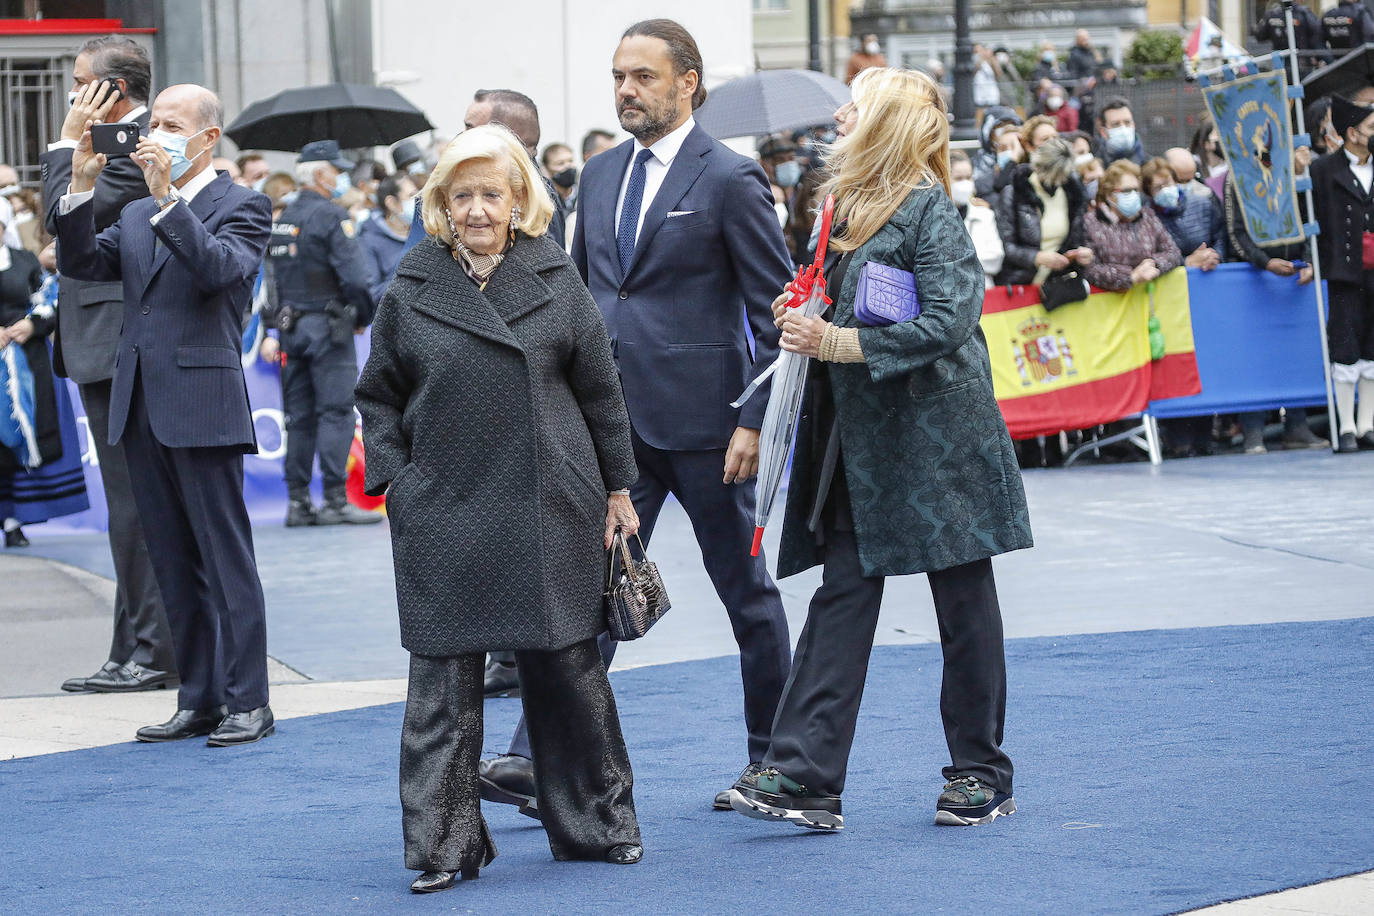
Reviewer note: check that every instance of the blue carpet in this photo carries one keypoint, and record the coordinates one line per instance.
(1156, 771)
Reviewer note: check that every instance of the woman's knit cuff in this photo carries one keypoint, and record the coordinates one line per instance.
(841, 345)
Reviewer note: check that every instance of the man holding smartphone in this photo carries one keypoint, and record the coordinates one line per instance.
(112, 77)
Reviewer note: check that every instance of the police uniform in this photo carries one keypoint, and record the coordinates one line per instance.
(1347, 25)
(1307, 32)
(323, 280)
(1344, 194)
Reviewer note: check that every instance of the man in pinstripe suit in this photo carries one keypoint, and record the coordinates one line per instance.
(187, 256)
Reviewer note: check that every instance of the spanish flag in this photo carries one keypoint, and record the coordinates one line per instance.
(1088, 362)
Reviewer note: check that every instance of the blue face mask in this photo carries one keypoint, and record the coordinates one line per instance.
(1005, 158)
(1128, 202)
(341, 185)
(1121, 139)
(1169, 198)
(408, 209)
(175, 146)
(788, 173)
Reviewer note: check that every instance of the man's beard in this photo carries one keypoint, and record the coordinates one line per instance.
(653, 123)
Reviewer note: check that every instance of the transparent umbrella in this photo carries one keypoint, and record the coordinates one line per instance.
(788, 373)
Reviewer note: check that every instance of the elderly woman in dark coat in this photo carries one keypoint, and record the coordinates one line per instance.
(904, 466)
(493, 421)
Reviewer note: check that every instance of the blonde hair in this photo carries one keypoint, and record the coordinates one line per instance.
(900, 143)
(491, 143)
(1028, 129)
(1111, 179)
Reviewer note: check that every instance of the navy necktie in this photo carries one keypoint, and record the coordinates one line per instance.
(629, 212)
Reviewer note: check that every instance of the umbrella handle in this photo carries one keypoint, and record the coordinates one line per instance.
(823, 241)
(758, 542)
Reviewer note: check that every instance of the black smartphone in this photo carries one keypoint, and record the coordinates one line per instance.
(114, 139)
(113, 91)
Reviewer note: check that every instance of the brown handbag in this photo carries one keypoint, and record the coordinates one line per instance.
(635, 598)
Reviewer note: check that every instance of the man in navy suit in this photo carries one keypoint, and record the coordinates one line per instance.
(187, 256)
(679, 243)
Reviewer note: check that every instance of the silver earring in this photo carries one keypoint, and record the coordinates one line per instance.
(451, 228)
(515, 213)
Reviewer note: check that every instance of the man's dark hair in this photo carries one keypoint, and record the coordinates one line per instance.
(544, 156)
(247, 158)
(591, 137)
(390, 186)
(115, 57)
(368, 170)
(682, 49)
(1112, 105)
(514, 110)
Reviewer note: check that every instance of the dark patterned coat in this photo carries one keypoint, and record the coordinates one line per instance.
(497, 420)
(933, 480)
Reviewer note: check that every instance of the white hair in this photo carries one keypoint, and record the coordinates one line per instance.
(305, 172)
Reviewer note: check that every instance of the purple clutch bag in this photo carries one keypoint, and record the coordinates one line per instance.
(887, 295)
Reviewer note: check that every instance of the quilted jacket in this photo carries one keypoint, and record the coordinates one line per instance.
(932, 478)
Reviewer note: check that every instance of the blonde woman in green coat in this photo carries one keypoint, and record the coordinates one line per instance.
(903, 466)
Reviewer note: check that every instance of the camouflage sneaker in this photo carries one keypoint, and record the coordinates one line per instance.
(776, 797)
(966, 802)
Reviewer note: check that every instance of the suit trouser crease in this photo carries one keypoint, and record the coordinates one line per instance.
(317, 397)
(814, 730)
(585, 794)
(190, 501)
(722, 519)
(142, 635)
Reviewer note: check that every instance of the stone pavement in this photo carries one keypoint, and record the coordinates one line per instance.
(1204, 542)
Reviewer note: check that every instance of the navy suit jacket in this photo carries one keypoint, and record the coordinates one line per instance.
(188, 284)
(710, 257)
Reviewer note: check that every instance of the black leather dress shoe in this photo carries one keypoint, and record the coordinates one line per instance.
(78, 684)
(432, 881)
(509, 780)
(625, 854)
(130, 678)
(187, 723)
(500, 680)
(243, 728)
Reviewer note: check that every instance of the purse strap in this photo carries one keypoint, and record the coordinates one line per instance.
(620, 549)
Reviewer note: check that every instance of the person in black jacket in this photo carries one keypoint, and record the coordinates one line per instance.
(1307, 33)
(1342, 182)
(324, 282)
(1347, 25)
(1045, 200)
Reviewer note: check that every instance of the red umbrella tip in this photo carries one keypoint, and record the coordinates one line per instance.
(758, 542)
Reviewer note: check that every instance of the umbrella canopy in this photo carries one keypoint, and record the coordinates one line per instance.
(789, 384)
(356, 116)
(771, 101)
(1347, 76)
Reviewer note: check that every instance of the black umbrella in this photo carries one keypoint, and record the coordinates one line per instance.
(771, 101)
(1347, 76)
(356, 116)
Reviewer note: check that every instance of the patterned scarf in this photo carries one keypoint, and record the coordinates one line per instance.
(478, 267)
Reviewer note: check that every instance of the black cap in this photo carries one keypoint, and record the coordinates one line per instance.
(1346, 114)
(406, 153)
(324, 151)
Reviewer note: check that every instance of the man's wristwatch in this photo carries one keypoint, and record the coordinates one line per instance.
(171, 197)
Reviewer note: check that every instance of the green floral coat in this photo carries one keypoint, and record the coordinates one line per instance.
(932, 476)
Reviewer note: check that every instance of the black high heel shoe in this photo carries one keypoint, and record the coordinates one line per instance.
(14, 537)
(433, 881)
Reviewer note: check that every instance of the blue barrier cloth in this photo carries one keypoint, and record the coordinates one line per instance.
(1257, 342)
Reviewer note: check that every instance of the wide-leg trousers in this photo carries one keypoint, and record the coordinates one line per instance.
(814, 728)
(581, 770)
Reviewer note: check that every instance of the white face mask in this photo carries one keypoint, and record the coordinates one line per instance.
(872, 47)
(961, 191)
(781, 210)
(1083, 159)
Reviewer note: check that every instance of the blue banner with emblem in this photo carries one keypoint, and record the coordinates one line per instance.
(1252, 119)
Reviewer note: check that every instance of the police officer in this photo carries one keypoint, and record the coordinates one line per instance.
(322, 278)
(1307, 33)
(1347, 25)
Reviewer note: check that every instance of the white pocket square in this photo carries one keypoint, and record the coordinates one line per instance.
(672, 213)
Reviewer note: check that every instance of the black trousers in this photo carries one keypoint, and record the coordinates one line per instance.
(317, 383)
(142, 635)
(814, 729)
(722, 518)
(1350, 324)
(190, 503)
(582, 769)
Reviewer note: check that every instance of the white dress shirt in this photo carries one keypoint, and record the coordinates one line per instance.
(655, 170)
(1364, 174)
(70, 202)
(71, 144)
